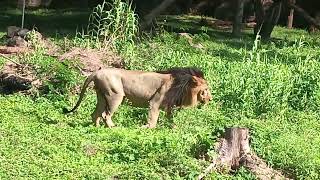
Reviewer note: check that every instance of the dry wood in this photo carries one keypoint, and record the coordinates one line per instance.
(260, 168)
(234, 151)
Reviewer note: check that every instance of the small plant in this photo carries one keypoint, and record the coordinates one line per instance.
(113, 23)
(34, 39)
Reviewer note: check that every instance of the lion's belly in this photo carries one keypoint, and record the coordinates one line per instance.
(140, 96)
(139, 89)
(137, 101)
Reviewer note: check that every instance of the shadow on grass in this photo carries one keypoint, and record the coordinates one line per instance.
(193, 25)
(222, 35)
(51, 23)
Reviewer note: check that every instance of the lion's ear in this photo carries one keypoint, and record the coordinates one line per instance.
(195, 81)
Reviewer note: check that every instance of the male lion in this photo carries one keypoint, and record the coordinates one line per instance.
(177, 87)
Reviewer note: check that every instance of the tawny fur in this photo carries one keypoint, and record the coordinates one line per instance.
(178, 87)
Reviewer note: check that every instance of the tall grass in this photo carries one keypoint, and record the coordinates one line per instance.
(112, 23)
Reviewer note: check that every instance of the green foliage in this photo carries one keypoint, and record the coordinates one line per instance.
(56, 76)
(270, 87)
(112, 22)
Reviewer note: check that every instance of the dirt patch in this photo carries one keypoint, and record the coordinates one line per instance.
(16, 77)
(223, 25)
(12, 50)
(90, 150)
(93, 59)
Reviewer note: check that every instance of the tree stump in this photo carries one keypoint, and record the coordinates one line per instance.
(234, 151)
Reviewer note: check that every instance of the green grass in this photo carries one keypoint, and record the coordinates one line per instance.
(272, 88)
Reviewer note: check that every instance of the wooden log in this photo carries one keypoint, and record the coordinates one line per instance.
(15, 77)
(234, 151)
(234, 144)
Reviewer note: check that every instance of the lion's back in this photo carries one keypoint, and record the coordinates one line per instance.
(138, 86)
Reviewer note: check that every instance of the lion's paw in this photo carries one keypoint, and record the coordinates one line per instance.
(147, 126)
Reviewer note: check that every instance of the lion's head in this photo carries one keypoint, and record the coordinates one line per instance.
(188, 88)
(200, 91)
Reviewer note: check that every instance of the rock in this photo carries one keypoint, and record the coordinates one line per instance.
(23, 32)
(12, 31)
(17, 41)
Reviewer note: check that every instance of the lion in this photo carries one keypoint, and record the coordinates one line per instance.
(166, 90)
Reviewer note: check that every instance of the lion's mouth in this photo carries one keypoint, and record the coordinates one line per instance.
(203, 101)
(201, 104)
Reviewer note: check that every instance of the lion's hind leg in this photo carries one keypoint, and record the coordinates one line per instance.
(100, 108)
(113, 102)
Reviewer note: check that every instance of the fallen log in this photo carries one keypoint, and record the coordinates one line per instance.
(234, 151)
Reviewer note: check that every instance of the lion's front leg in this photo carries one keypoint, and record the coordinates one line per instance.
(154, 108)
(169, 116)
(152, 117)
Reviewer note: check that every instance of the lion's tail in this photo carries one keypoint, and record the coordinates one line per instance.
(83, 90)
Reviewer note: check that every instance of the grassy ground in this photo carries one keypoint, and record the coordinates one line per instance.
(272, 88)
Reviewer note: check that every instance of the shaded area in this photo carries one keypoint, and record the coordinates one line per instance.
(50, 22)
(216, 29)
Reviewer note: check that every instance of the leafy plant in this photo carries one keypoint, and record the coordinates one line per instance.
(112, 22)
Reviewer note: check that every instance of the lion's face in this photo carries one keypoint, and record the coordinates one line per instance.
(204, 95)
(201, 90)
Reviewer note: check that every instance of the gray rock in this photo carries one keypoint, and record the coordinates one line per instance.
(12, 31)
(23, 32)
(17, 41)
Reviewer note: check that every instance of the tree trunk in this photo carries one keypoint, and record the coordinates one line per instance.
(290, 17)
(237, 22)
(147, 20)
(305, 15)
(267, 17)
(30, 3)
(234, 151)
